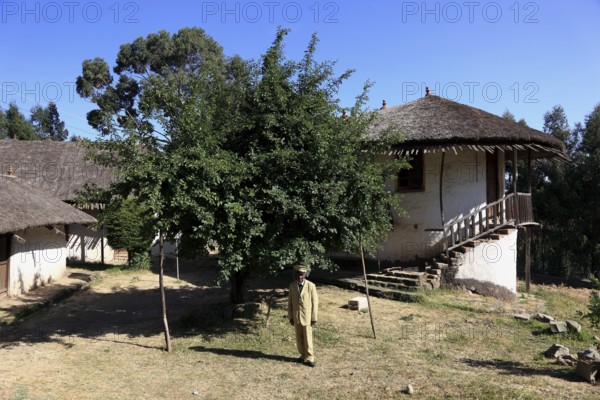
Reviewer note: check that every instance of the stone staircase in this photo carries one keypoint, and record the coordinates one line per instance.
(409, 283)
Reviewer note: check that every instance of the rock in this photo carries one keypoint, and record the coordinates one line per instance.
(195, 393)
(522, 317)
(590, 354)
(409, 389)
(587, 370)
(567, 360)
(358, 303)
(557, 350)
(558, 326)
(573, 326)
(596, 339)
(543, 317)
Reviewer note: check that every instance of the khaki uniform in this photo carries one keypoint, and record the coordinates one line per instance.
(303, 310)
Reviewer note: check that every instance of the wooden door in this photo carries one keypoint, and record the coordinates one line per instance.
(491, 168)
(4, 256)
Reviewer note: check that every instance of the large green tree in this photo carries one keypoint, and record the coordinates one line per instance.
(310, 184)
(254, 158)
(160, 124)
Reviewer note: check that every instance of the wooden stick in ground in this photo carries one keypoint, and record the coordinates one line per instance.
(162, 293)
(362, 256)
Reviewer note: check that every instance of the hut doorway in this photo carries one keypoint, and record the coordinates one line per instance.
(491, 168)
(4, 256)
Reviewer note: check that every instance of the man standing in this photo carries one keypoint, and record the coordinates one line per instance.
(303, 305)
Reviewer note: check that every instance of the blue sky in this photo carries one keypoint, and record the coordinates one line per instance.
(524, 56)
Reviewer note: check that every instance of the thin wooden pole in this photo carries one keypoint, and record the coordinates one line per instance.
(362, 256)
(162, 292)
(177, 257)
(527, 259)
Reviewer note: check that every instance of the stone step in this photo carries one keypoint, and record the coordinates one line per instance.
(396, 285)
(401, 280)
(386, 293)
(409, 297)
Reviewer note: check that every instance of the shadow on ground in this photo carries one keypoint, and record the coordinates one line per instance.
(131, 312)
(517, 368)
(244, 354)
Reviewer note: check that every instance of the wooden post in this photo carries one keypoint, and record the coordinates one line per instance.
(527, 259)
(442, 211)
(528, 232)
(162, 292)
(515, 173)
(362, 256)
(103, 229)
(529, 171)
(177, 257)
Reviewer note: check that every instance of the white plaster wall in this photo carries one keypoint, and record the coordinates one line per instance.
(493, 261)
(38, 256)
(86, 244)
(464, 190)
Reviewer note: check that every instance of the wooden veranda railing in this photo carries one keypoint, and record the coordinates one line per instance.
(513, 209)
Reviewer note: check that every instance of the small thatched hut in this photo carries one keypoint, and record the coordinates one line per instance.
(455, 194)
(63, 170)
(33, 236)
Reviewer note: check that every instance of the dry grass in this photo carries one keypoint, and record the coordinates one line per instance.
(104, 343)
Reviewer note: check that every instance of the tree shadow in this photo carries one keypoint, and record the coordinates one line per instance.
(123, 316)
(129, 313)
(517, 368)
(254, 354)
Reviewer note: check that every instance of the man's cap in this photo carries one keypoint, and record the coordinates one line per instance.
(300, 268)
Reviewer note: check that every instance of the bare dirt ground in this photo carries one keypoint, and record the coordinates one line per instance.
(106, 343)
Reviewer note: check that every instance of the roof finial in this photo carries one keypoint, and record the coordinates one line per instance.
(427, 91)
(384, 105)
(344, 114)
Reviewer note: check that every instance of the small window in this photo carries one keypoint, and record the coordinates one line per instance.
(412, 179)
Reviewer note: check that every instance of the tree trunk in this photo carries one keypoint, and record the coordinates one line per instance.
(162, 294)
(236, 281)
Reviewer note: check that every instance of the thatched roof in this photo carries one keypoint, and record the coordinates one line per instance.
(60, 168)
(433, 122)
(24, 207)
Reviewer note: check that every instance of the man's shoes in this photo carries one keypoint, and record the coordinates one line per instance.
(300, 360)
(311, 364)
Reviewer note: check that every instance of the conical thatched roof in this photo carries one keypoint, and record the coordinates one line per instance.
(434, 122)
(24, 207)
(60, 168)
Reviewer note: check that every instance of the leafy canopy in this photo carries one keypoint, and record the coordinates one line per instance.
(252, 157)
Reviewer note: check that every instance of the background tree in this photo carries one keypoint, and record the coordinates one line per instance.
(17, 126)
(47, 123)
(589, 212)
(129, 226)
(43, 123)
(3, 127)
